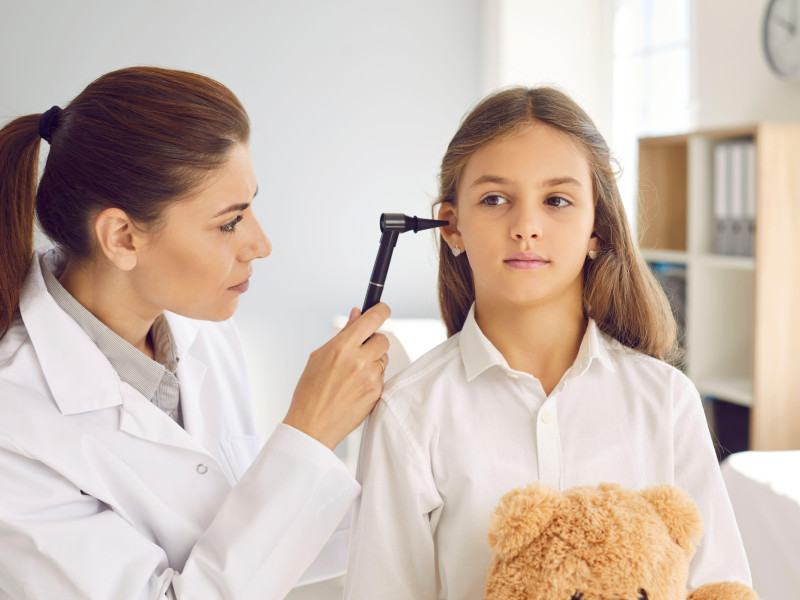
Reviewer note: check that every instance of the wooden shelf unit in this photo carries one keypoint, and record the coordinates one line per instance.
(742, 313)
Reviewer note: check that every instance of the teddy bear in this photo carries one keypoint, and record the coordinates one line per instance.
(598, 543)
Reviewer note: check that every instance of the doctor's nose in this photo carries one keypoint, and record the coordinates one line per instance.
(257, 244)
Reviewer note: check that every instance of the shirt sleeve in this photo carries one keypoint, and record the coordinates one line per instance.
(61, 543)
(720, 555)
(392, 547)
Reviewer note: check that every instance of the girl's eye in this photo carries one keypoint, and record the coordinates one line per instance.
(558, 201)
(494, 200)
(231, 227)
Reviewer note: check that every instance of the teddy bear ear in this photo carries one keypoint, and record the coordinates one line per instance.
(679, 513)
(725, 590)
(521, 516)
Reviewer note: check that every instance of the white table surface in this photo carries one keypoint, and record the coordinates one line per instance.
(764, 488)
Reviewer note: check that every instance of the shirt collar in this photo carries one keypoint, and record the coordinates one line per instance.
(133, 367)
(479, 354)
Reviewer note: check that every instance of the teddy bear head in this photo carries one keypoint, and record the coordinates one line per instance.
(593, 543)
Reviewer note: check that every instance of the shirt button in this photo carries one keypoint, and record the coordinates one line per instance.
(546, 416)
(202, 469)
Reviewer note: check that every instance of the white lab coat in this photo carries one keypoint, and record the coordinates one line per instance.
(102, 495)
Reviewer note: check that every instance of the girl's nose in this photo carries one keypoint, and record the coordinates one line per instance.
(526, 223)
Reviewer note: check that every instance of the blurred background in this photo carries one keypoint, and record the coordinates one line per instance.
(353, 103)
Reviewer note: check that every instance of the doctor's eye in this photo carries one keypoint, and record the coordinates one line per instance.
(577, 596)
(642, 595)
(231, 227)
(494, 200)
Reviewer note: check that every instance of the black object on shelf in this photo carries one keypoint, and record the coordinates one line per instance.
(729, 424)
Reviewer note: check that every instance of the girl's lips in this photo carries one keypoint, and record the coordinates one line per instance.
(526, 261)
(526, 265)
(242, 287)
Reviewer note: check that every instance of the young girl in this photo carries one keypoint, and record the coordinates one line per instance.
(554, 369)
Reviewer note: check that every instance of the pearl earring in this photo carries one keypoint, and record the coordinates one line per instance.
(455, 250)
(592, 254)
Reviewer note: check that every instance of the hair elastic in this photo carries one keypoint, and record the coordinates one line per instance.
(47, 123)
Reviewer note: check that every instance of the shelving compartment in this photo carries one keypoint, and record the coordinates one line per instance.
(720, 331)
(663, 169)
(721, 191)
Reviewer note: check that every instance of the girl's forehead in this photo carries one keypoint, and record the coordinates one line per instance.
(538, 150)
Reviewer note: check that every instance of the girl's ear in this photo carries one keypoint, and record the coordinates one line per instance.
(117, 237)
(448, 212)
(594, 243)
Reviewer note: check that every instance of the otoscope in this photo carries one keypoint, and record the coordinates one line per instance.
(392, 225)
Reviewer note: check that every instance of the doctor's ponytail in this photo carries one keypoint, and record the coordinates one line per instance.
(136, 139)
(19, 159)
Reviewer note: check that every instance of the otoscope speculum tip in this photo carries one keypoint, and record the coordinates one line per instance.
(400, 222)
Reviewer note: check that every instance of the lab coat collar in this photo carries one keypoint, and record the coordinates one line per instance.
(479, 354)
(78, 374)
(80, 378)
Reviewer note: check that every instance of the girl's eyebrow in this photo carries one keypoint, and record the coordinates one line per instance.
(554, 182)
(489, 179)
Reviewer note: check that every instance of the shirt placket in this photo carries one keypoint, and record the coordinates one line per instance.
(549, 443)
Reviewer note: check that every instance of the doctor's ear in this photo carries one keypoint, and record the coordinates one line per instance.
(118, 237)
(450, 233)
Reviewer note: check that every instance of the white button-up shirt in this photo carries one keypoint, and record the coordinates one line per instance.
(459, 428)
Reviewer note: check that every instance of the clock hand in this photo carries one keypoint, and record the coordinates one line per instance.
(787, 25)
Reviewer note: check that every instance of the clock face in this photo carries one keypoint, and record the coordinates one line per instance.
(782, 37)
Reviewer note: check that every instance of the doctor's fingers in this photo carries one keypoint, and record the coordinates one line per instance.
(374, 347)
(359, 330)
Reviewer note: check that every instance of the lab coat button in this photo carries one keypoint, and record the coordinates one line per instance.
(547, 416)
(202, 469)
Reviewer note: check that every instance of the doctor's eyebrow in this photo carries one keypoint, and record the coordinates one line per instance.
(235, 207)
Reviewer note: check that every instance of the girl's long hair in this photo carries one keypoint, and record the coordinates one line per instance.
(619, 290)
(136, 139)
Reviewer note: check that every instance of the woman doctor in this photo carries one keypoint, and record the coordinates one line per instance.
(129, 462)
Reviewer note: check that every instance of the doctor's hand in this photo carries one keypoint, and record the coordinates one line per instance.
(342, 380)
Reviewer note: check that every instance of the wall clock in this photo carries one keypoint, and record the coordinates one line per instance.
(781, 37)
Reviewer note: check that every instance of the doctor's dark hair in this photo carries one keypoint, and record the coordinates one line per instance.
(137, 139)
(619, 291)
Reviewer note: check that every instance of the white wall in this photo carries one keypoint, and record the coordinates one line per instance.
(565, 44)
(352, 103)
(731, 82)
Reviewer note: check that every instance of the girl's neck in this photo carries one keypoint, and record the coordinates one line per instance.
(106, 293)
(541, 340)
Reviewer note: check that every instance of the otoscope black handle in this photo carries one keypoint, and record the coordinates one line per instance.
(379, 270)
(392, 225)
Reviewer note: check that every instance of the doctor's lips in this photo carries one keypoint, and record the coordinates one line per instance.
(526, 261)
(241, 287)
